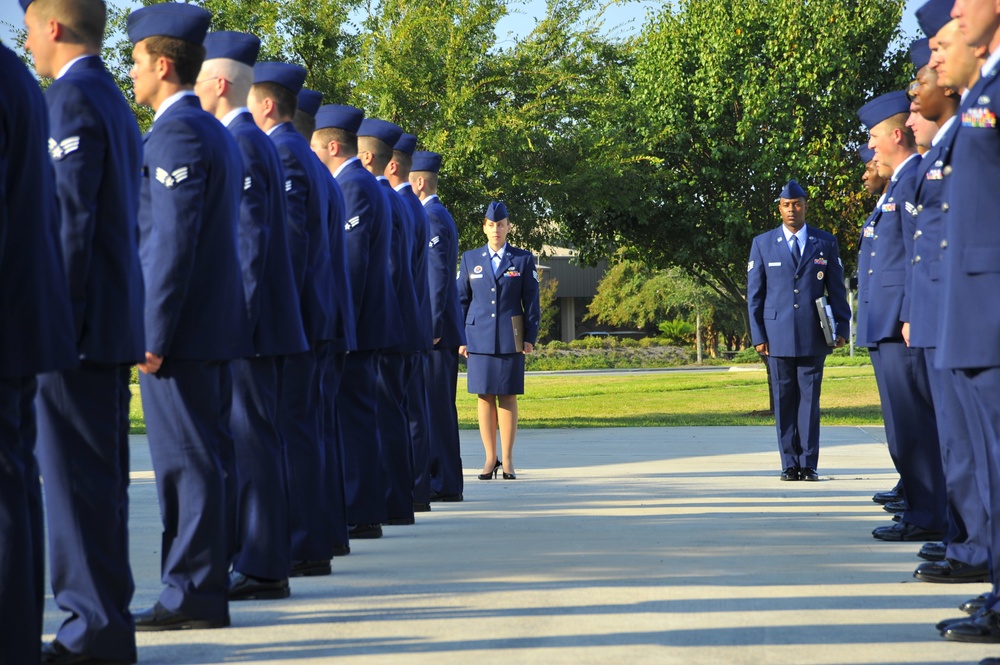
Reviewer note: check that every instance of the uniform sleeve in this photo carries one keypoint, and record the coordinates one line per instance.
(530, 301)
(296, 186)
(440, 267)
(756, 292)
(837, 292)
(78, 148)
(254, 228)
(908, 220)
(358, 230)
(177, 192)
(464, 289)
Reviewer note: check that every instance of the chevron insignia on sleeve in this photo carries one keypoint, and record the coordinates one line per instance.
(59, 149)
(247, 183)
(435, 240)
(171, 179)
(910, 208)
(351, 223)
(288, 185)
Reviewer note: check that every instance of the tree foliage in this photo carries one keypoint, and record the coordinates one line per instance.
(730, 100)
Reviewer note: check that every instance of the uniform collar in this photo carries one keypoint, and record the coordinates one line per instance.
(943, 130)
(401, 186)
(899, 169)
(343, 166)
(68, 65)
(170, 101)
(990, 63)
(229, 117)
(502, 251)
(275, 128)
(428, 199)
(801, 234)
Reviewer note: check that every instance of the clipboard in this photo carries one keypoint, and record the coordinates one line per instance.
(826, 322)
(517, 322)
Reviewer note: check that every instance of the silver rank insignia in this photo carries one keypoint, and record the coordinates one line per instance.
(351, 223)
(910, 208)
(247, 183)
(58, 150)
(983, 101)
(171, 179)
(434, 241)
(288, 185)
(535, 273)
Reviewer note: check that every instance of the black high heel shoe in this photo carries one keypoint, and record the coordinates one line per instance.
(493, 474)
(509, 476)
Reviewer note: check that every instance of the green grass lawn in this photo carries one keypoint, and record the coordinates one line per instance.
(657, 400)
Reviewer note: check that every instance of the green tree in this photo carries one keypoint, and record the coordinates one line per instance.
(728, 101)
(548, 306)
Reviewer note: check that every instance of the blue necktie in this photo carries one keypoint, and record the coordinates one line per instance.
(793, 246)
(496, 264)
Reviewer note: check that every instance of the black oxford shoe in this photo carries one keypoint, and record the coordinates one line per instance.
(311, 568)
(54, 653)
(895, 507)
(809, 475)
(974, 605)
(932, 551)
(791, 473)
(983, 628)
(160, 618)
(364, 531)
(904, 531)
(951, 571)
(421, 507)
(244, 587)
(887, 497)
(446, 498)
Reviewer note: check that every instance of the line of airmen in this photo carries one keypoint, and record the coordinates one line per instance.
(283, 275)
(928, 308)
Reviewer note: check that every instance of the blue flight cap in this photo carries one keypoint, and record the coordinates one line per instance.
(882, 107)
(339, 116)
(25, 3)
(920, 53)
(934, 15)
(179, 20)
(238, 46)
(284, 74)
(383, 130)
(792, 191)
(309, 101)
(426, 161)
(407, 143)
(496, 211)
(866, 154)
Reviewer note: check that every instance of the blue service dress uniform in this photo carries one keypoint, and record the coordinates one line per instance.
(301, 375)
(490, 300)
(196, 319)
(780, 298)
(397, 364)
(416, 395)
(445, 463)
(969, 325)
(966, 539)
(369, 239)
(263, 536)
(900, 370)
(83, 414)
(33, 293)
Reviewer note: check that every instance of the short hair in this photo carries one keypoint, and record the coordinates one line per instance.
(405, 161)
(348, 141)
(304, 123)
(186, 56)
(430, 177)
(898, 121)
(84, 20)
(239, 75)
(380, 150)
(286, 103)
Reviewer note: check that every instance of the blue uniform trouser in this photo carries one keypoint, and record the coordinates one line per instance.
(394, 373)
(977, 391)
(416, 402)
(902, 376)
(445, 449)
(300, 417)
(22, 564)
(967, 537)
(185, 411)
(263, 537)
(358, 419)
(332, 448)
(795, 384)
(885, 403)
(83, 453)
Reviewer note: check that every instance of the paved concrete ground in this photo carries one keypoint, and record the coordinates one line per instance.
(667, 545)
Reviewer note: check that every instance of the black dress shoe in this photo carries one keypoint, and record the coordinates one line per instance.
(54, 653)
(791, 473)
(447, 498)
(895, 507)
(160, 618)
(244, 587)
(932, 552)
(973, 605)
(400, 521)
(951, 571)
(904, 531)
(990, 661)
(311, 568)
(809, 475)
(364, 531)
(898, 517)
(945, 624)
(980, 628)
(421, 507)
(341, 550)
(887, 497)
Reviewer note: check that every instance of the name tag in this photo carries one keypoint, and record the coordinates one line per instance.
(776, 263)
(475, 276)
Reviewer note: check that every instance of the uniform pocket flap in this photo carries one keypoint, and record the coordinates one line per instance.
(981, 259)
(770, 313)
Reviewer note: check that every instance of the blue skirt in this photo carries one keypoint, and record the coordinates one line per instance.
(496, 375)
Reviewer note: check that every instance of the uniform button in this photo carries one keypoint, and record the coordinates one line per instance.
(944, 206)
(920, 207)
(493, 290)
(944, 244)
(875, 237)
(493, 315)
(493, 302)
(870, 272)
(795, 291)
(916, 259)
(796, 305)
(917, 234)
(873, 253)
(796, 277)
(947, 170)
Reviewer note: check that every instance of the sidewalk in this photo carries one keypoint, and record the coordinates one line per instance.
(666, 545)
